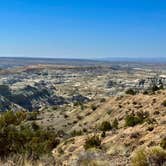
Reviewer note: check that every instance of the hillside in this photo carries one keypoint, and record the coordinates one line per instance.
(117, 145)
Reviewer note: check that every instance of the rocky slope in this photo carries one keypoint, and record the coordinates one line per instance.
(117, 145)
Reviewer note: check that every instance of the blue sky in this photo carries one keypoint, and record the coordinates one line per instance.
(83, 28)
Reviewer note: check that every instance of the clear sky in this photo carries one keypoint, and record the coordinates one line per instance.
(83, 28)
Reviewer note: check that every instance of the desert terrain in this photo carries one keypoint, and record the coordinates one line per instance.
(100, 112)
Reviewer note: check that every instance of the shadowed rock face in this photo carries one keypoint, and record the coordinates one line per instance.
(30, 98)
(140, 85)
(6, 104)
(34, 97)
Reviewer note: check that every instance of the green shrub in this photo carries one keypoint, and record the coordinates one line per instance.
(105, 126)
(163, 143)
(164, 103)
(132, 120)
(138, 118)
(17, 137)
(102, 100)
(92, 142)
(11, 117)
(115, 124)
(149, 156)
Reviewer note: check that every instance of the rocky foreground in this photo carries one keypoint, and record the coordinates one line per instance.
(117, 145)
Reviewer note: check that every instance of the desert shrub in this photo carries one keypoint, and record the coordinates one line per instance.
(82, 106)
(135, 135)
(66, 116)
(85, 130)
(150, 128)
(92, 142)
(142, 114)
(103, 134)
(109, 111)
(10, 117)
(163, 143)
(17, 137)
(102, 100)
(35, 127)
(156, 156)
(139, 158)
(79, 117)
(115, 124)
(149, 156)
(75, 121)
(76, 133)
(105, 126)
(132, 120)
(60, 150)
(130, 92)
(93, 107)
(164, 103)
(138, 118)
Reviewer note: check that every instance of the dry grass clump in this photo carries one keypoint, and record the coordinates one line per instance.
(149, 156)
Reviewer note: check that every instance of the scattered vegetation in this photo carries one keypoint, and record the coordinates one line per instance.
(163, 143)
(11, 118)
(16, 137)
(134, 119)
(115, 124)
(92, 142)
(105, 126)
(32, 115)
(149, 156)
